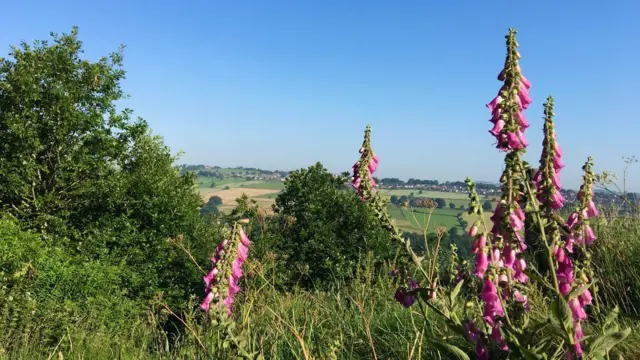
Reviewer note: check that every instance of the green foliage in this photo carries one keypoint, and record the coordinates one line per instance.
(100, 189)
(325, 228)
(211, 207)
(487, 205)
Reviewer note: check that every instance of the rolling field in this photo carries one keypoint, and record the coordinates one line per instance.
(427, 194)
(265, 192)
(269, 185)
(472, 218)
(416, 219)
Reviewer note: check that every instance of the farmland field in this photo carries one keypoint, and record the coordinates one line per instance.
(271, 185)
(415, 219)
(426, 193)
(472, 218)
(265, 192)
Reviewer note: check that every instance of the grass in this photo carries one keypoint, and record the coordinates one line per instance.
(427, 194)
(414, 223)
(271, 185)
(470, 219)
(266, 196)
(358, 319)
(205, 182)
(456, 198)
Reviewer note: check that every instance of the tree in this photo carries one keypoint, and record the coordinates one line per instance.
(441, 203)
(327, 228)
(487, 205)
(213, 184)
(452, 205)
(101, 186)
(462, 207)
(394, 199)
(211, 207)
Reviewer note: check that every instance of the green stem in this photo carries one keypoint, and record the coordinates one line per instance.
(538, 219)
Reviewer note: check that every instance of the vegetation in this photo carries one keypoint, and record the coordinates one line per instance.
(108, 250)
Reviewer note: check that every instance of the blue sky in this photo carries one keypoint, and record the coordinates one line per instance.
(283, 84)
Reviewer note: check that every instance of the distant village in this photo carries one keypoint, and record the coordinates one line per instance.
(483, 188)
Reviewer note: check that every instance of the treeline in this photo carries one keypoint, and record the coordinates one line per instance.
(395, 182)
(213, 171)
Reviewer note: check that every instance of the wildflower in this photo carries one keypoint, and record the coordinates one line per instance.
(578, 221)
(473, 230)
(403, 296)
(519, 275)
(521, 299)
(506, 108)
(482, 264)
(364, 168)
(564, 274)
(492, 307)
(547, 178)
(577, 310)
(471, 331)
(221, 283)
(482, 351)
(496, 335)
(479, 243)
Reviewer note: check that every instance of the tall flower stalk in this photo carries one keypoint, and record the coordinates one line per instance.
(547, 179)
(501, 249)
(509, 122)
(574, 282)
(364, 168)
(221, 283)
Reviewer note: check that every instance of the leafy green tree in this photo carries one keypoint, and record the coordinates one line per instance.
(487, 205)
(97, 183)
(211, 207)
(215, 200)
(61, 132)
(441, 203)
(452, 206)
(212, 185)
(324, 229)
(394, 199)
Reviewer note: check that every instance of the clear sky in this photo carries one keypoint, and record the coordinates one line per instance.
(283, 84)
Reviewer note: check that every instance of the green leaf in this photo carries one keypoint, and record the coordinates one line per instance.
(604, 343)
(611, 317)
(454, 351)
(534, 275)
(528, 354)
(577, 291)
(455, 292)
(560, 314)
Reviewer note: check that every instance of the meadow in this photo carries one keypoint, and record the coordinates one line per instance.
(411, 220)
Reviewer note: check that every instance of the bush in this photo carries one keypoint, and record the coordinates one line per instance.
(323, 230)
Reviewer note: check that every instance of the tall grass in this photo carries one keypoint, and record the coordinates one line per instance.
(358, 319)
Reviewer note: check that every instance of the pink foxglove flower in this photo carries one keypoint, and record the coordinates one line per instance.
(402, 294)
(364, 168)
(230, 255)
(482, 264)
(492, 305)
(513, 98)
(547, 178)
